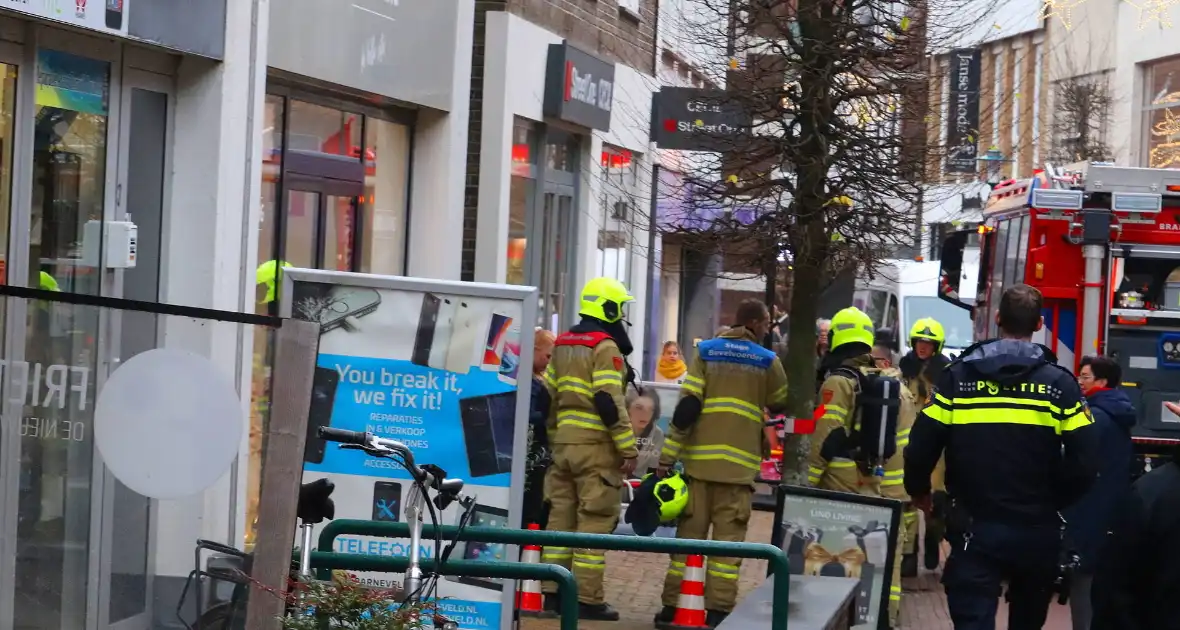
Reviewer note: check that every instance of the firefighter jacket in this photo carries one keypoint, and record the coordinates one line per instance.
(585, 383)
(1019, 441)
(920, 377)
(733, 379)
(834, 463)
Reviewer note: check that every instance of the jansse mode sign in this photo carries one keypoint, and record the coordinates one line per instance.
(579, 87)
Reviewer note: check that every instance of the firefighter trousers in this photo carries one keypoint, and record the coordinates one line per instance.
(726, 508)
(584, 490)
(909, 530)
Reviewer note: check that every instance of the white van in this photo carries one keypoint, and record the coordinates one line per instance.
(904, 291)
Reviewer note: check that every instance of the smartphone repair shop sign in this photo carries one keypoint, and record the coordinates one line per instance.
(579, 87)
(694, 119)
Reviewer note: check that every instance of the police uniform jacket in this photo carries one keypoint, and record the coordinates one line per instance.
(731, 379)
(586, 371)
(1019, 440)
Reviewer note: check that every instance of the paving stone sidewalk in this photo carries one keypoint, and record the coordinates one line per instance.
(634, 582)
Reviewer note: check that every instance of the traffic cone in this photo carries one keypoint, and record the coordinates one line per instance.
(690, 610)
(529, 600)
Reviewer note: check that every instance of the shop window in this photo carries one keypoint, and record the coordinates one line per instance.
(522, 192)
(619, 185)
(1161, 114)
(387, 153)
(351, 222)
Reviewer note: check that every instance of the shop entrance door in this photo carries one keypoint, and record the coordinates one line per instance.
(75, 544)
(556, 238)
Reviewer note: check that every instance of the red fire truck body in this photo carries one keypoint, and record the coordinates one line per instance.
(1102, 244)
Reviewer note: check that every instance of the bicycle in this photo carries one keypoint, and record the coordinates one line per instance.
(315, 506)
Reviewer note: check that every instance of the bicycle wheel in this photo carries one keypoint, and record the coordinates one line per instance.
(219, 617)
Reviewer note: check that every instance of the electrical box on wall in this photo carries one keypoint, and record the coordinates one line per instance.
(118, 240)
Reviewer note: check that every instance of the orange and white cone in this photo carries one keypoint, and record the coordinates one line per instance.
(529, 600)
(690, 610)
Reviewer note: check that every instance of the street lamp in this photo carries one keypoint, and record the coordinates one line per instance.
(994, 160)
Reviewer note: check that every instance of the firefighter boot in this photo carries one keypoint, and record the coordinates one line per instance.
(597, 612)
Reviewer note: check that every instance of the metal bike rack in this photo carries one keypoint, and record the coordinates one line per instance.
(775, 556)
(566, 587)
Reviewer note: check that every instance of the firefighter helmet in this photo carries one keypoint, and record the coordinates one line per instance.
(851, 325)
(603, 299)
(671, 494)
(929, 329)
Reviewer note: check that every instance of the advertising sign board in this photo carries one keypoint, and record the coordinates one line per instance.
(442, 367)
(107, 16)
(579, 87)
(839, 534)
(962, 121)
(696, 119)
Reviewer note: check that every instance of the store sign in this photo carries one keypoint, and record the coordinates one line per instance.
(962, 121)
(579, 87)
(694, 119)
(107, 16)
(403, 49)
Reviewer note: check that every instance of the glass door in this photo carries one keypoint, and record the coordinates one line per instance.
(557, 225)
(124, 584)
(62, 203)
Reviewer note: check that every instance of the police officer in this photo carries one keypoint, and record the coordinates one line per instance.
(920, 368)
(1020, 445)
(593, 445)
(835, 463)
(717, 432)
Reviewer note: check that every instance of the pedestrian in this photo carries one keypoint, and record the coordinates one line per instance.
(920, 368)
(846, 453)
(671, 368)
(1019, 443)
(535, 509)
(1089, 520)
(644, 410)
(717, 431)
(1137, 577)
(593, 444)
(822, 329)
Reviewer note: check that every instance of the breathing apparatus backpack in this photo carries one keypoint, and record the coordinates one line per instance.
(878, 397)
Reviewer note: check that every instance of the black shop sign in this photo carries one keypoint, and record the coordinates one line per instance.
(579, 87)
(696, 119)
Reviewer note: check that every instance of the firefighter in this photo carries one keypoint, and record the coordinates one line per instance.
(836, 461)
(594, 448)
(1019, 444)
(920, 368)
(717, 431)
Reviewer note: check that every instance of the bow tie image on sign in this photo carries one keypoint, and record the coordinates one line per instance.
(817, 560)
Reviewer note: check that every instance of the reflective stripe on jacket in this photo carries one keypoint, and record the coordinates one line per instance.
(734, 378)
(585, 363)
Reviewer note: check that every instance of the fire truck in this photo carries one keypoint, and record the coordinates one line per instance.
(1102, 244)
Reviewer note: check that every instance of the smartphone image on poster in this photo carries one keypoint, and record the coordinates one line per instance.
(387, 501)
(114, 14)
(494, 345)
(487, 431)
(465, 337)
(483, 516)
(319, 414)
(510, 356)
(345, 302)
(444, 327)
(424, 338)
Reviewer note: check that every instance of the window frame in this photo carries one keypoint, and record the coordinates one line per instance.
(1147, 108)
(287, 181)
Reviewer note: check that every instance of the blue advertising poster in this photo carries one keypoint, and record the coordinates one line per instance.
(438, 372)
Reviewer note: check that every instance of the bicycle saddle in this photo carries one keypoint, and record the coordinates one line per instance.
(315, 503)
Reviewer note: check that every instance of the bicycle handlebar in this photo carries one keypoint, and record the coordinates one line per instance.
(430, 475)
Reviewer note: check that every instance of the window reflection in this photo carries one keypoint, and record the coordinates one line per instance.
(387, 168)
(56, 448)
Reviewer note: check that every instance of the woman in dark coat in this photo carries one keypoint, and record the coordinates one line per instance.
(535, 509)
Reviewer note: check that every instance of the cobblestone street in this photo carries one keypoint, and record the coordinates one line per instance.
(634, 582)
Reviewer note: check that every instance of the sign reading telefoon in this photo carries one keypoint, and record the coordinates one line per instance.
(579, 87)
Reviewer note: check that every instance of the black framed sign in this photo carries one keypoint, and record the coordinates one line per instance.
(839, 534)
